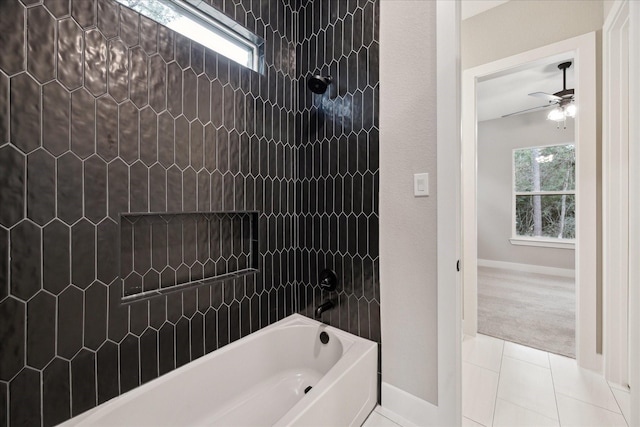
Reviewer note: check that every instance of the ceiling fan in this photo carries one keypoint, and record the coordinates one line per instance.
(562, 100)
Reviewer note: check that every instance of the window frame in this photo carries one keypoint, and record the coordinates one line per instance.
(218, 23)
(548, 242)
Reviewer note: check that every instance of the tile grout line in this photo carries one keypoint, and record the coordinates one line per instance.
(529, 410)
(482, 367)
(618, 403)
(555, 394)
(492, 372)
(475, 422)
(387, 418)
(593, 405)
(529, 363)
(596, 405)
(495, 402)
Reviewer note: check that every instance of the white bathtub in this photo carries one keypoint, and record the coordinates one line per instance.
(259, 380)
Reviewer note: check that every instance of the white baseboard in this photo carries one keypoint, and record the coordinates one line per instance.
(406, 409)
(621, 387)
(527, 268)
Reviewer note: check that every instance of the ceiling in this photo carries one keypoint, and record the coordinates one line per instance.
(508, 92)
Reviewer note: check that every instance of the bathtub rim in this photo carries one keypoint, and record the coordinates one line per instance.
(350, 343)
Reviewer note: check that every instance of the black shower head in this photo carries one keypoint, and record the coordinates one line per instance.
(318, 84)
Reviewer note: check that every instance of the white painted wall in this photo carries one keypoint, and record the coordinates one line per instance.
(634, 212)
(408, 227)
(496, 140)
(471, 8)
(607, 6)
(521, 25)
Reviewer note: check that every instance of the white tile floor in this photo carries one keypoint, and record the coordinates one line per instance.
(509, 385)
(506, 384)
(376, 419)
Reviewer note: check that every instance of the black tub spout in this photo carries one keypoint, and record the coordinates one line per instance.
(325, 306)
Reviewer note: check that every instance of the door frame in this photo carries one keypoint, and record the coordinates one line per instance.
(448, 25)
(615, 192)
(634, 212)
(583, 51)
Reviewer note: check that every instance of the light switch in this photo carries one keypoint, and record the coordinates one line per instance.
(421, 184)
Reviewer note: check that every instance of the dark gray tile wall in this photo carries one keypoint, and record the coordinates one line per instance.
(338, 167)
(104, 112)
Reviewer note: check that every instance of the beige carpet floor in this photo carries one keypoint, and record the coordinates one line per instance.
(531, 309)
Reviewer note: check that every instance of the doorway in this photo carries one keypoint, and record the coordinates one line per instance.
(526, 206)
(582, 51)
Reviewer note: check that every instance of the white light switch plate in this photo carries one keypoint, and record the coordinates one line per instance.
(421, 184)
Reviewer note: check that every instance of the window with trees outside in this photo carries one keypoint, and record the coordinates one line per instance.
(544, 196)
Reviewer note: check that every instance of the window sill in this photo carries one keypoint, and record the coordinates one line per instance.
(543, 243)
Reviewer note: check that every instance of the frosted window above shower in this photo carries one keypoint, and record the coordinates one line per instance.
(205, 25)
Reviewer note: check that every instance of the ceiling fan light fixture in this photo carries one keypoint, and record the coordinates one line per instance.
(557, 115)
(570, 111)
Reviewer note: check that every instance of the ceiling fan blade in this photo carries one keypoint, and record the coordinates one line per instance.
(527, 110)
(544, 95)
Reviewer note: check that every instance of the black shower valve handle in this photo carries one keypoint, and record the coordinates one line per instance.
(328, 280)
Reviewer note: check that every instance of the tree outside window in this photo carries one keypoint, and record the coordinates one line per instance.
(544, 192)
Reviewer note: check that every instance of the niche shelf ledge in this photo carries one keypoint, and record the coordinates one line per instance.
(166, 252)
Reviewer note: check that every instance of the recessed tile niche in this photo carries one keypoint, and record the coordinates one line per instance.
(166, 252)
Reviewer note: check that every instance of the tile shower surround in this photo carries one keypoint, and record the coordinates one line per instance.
(103, 112)
(338, 167)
